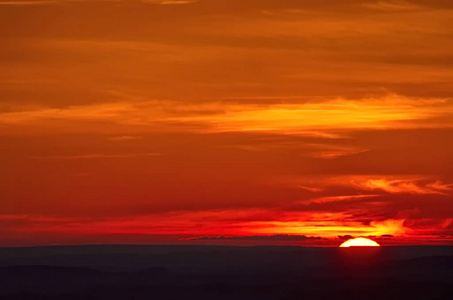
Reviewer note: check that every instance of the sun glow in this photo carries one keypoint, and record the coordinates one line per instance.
(359, 242)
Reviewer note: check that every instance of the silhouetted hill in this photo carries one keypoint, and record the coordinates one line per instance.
(172, 272)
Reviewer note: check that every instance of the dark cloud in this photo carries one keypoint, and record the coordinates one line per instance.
(345, 237)
(277, 237)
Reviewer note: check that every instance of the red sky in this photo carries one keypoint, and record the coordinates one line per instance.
(223, 121)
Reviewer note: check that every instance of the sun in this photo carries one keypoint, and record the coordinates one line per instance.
(359, 242)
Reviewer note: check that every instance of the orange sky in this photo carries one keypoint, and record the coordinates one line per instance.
(223, 121)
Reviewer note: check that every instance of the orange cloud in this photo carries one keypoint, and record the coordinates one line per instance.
(98, 156)
(330, 199)
(391, 184)
(409, 186)
(216, 222)
(23, 3)
(318, 118)
(329, 228)
(393, 6)
(330, 115)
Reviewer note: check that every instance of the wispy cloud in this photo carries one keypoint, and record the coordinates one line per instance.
(25, 3)
(330, 199)
(283, 225)
(169, 2)
(388, 112)
(276, 237)
(123, 138)
(98, 156)
(44, 2)
(393, 184)
(392, 6)
(309, 118)
(406, 186)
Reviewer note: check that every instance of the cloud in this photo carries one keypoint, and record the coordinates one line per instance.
(97, 156)
(387, 236)
(257, 224)
(123, 138)
(26, 3)
(330, 199)
(327, 151)
(308, 118)
(48, 2)
(384, 113)
(393, 184)
(276, 237)
(408, 186)
(169, 2)
(392, 6)
(345, 237)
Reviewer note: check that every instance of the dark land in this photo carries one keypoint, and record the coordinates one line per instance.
(221, 272)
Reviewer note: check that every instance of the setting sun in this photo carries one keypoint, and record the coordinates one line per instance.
(359, 242)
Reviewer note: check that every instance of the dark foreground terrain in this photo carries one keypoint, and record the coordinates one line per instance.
(211, 272)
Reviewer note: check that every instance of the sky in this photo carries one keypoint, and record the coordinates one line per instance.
(239, 122)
